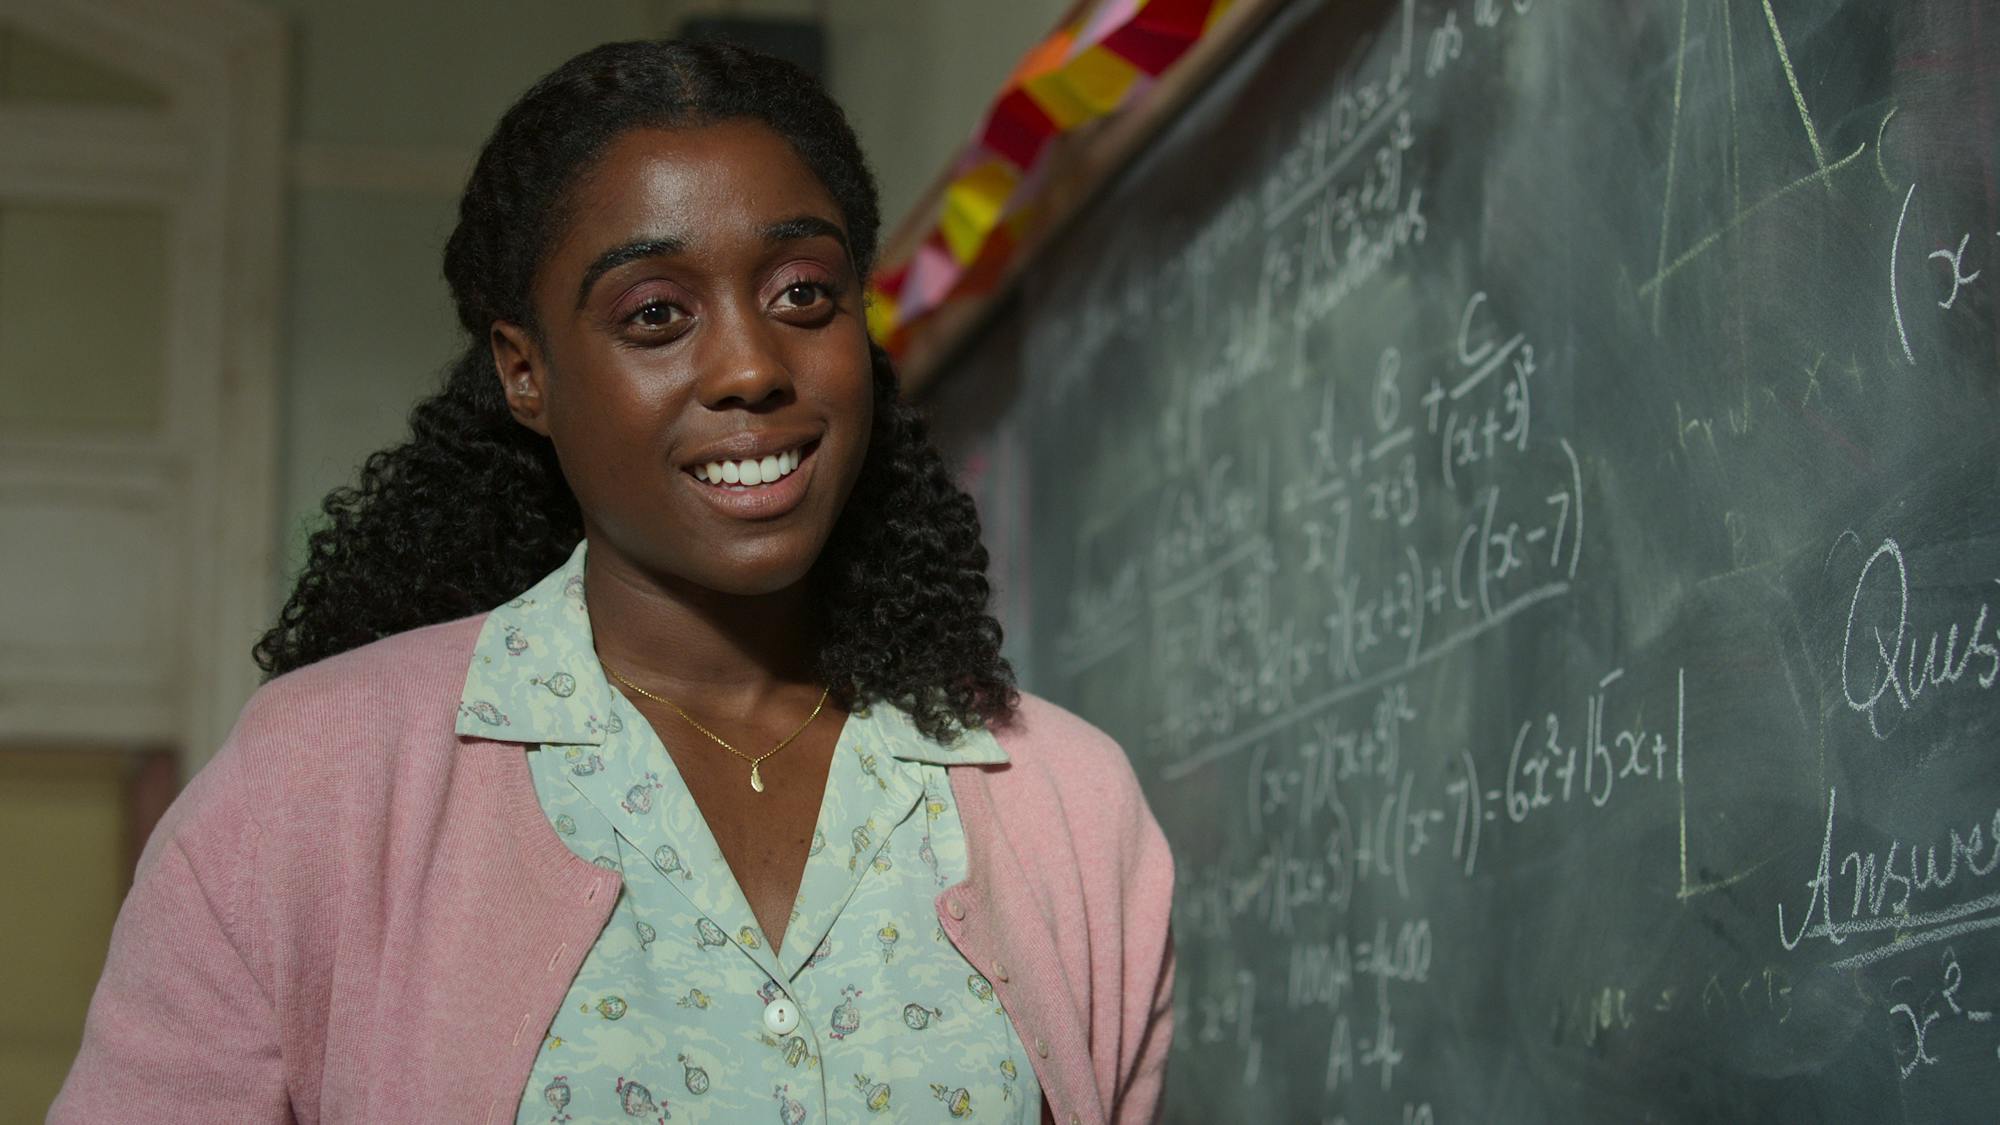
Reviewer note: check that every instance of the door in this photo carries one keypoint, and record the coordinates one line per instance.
(139, 198)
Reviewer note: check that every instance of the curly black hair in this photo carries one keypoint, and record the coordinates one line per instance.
(473, 508)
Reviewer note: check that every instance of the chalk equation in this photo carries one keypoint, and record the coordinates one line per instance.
(1520, 524)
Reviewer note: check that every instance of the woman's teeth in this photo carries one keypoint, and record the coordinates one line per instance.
(749, 473)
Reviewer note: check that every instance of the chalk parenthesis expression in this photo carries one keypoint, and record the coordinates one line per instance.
(1888, 651)
(1895, 290)
(1576, 478)
(1882, 169)
(1471, 357)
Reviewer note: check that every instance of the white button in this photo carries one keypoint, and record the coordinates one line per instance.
(781, 1016)
(1041, 1046)
(956, 909)
(1075, 1120)
(999, 972)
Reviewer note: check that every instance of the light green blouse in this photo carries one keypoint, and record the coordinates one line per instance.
(681, 1010)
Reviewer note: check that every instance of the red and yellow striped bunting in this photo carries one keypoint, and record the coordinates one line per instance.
(1097, 63)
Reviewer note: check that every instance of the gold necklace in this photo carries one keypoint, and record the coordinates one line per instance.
(756, 779)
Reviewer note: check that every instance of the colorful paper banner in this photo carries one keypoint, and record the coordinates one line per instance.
(1091, 67)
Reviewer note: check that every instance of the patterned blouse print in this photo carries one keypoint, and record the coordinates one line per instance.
(672, 1014)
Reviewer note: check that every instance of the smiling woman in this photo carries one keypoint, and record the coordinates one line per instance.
(717, 320)
(732, 796)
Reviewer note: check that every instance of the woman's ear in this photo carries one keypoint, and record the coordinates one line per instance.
(517, 359)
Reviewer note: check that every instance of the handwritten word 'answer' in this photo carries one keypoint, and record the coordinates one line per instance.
(1885, 890)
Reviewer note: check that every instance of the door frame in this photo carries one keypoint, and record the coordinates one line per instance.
(206, 481)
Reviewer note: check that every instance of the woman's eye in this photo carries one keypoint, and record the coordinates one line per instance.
(654, 314)
(802, 294)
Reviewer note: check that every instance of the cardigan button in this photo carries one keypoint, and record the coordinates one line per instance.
(956, 909)
(1041, 1046)
(999, 972)
(1075, 1120)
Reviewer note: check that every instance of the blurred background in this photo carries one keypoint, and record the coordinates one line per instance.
(220, 230)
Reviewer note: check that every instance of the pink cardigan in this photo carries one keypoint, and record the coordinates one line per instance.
(352, 908)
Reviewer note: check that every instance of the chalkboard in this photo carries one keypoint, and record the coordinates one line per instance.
(1519, 478)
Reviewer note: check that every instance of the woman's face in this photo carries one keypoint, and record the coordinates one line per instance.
(702, 332)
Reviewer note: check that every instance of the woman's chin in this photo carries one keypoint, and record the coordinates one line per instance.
(753, 574)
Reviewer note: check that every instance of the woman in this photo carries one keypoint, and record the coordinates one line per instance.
(730, 811)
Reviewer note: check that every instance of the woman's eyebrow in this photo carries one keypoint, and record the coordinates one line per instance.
(805, 226)
(785, 230)
(619, 255)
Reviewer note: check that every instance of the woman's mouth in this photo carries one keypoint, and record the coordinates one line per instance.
(753, 471)
(757, 488)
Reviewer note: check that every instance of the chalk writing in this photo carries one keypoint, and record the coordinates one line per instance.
(1880, 650)
(1450, 496)
(1920, 1005)
(1883, 890)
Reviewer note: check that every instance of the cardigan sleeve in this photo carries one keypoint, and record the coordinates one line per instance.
(1081, 834)
(1149, 969)
(182, 1028)
(1140, 1100)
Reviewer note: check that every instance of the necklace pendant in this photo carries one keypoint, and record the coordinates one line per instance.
(756, 780)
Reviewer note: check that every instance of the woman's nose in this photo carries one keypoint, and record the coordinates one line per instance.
(743, 365)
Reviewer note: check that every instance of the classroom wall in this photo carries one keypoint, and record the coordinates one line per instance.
(63, 803)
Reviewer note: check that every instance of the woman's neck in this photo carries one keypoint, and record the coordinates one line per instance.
(724, 655)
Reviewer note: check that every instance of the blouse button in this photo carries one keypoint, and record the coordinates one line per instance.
(956, 909)
(781, 1016)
